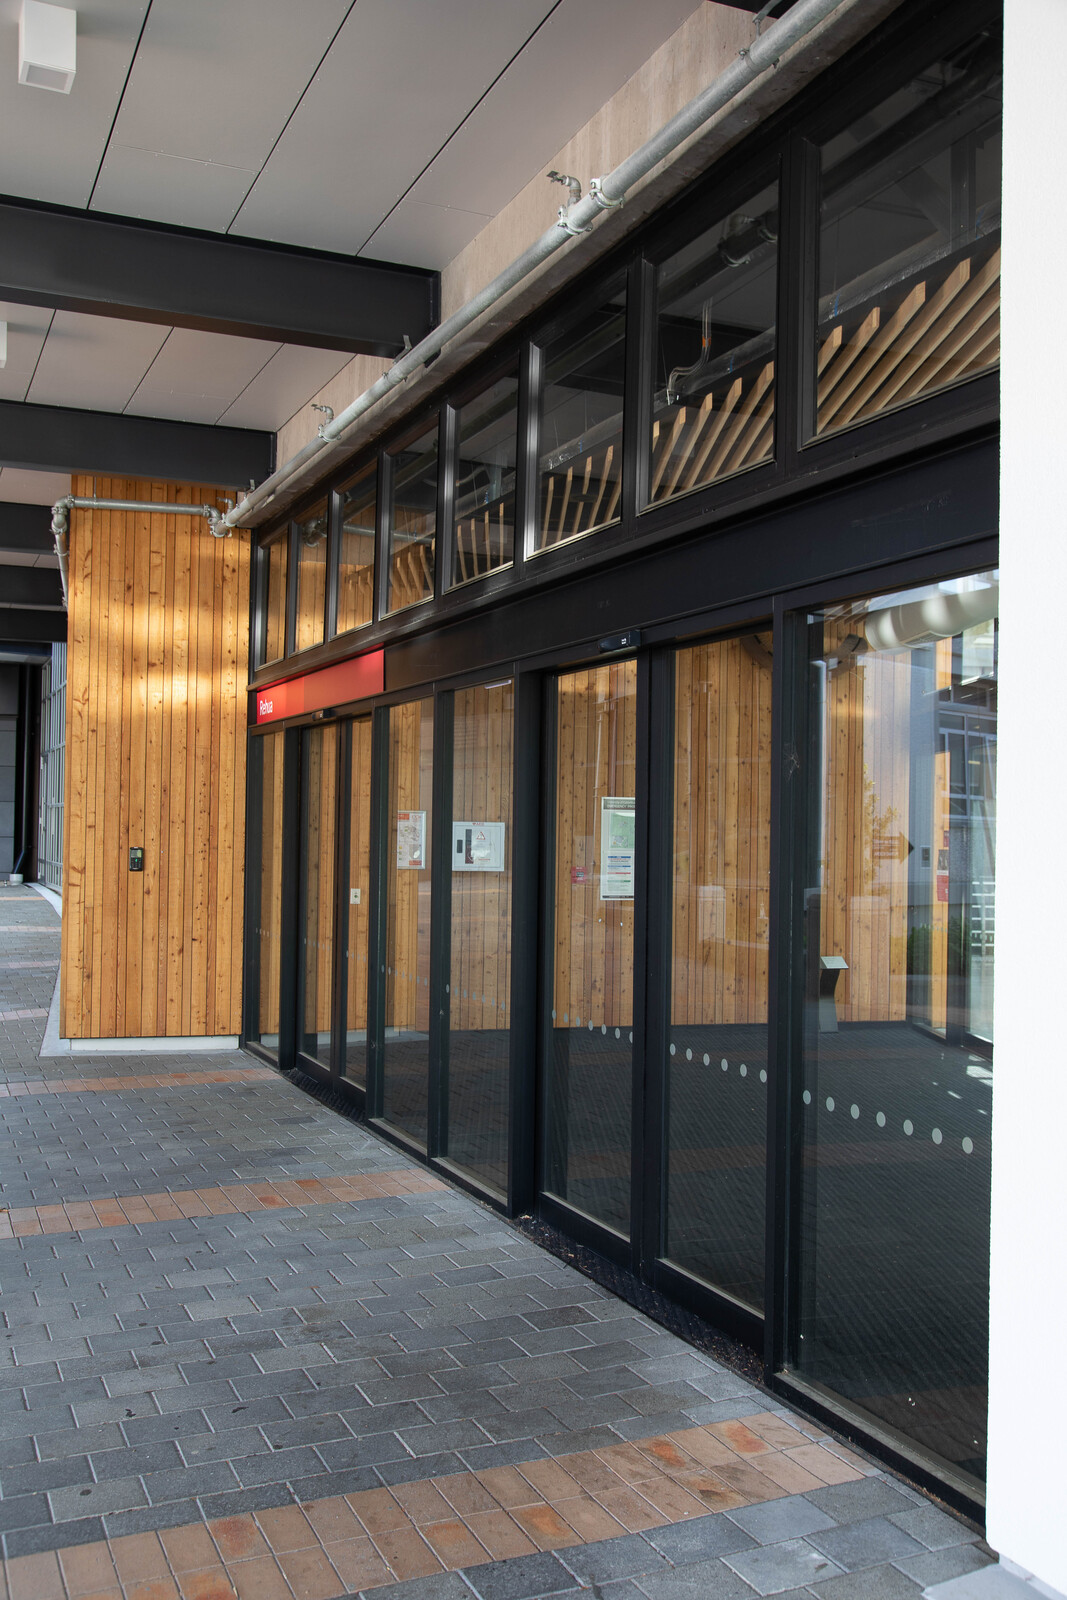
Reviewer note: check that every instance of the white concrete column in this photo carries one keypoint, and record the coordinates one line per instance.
(1027, 1522)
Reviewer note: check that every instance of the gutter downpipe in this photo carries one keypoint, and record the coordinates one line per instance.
(61, 522)
(605, 194)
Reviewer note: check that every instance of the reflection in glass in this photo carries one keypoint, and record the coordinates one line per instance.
(311, 541)
(717, 1065)
(357, 922)
(589, 1068)
(484, 518)
(319, 830)
(909, 278)
(713, 405)
(355, 570)
(898, 1016)
(268, 751)
(480, 981)
(581, 425)
(274, 600)
(413, 522)
(407, 939)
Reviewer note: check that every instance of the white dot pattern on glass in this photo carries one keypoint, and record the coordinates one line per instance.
(829, 1103)
(909, 1127)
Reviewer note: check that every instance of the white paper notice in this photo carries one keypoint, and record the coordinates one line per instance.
(617, 847)
(411, 840)
(478, 846)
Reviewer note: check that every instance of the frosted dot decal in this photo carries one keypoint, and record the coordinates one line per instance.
(829, 1103)
(909, 1127)
(968, 1147)
(689, 1055)
(854, 1111)
(707, 1061)
(724, 1064)
(936, 1135)
(672, 1050)
(879, 1117)
(743, 1070)
(807, 1097)
(763, 1075)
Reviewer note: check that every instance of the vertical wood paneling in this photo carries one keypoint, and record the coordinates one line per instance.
(155, 757)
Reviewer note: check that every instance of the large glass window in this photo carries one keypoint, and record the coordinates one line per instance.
(413, 522)
(483, 531)
(319, 879)
(590, 1055)
(581, 425)
(357, 923)
(268, 753)
(713, 403)
(311, 541)
(355, 567)
(275, 597)
(476, 1134)
(407, 941)
(909, 255)
(894, 1226)
(717, 1063)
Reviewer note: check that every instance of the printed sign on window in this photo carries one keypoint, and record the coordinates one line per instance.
(411, 840)
(617, 847)
(478, 846)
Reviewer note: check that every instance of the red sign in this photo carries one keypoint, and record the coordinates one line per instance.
(354, 679)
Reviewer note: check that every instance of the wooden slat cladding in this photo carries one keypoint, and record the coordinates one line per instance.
(155, 758)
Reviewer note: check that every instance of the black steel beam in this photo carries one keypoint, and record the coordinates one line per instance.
(25, 527)
(33, 627)
(57, 439)
(112, 267)
(30, 586)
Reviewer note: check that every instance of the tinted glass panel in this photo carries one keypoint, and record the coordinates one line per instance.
(717, 1065)
(357, 920)
(480, 979)
(713, 405)
(355, 571)
(407, 944)
(581, 425)
(484, 519)
(268, 751)
(589, 1068)
(311, 543)
(909, 279)
(276, 565)
(897, 1061)
(413, 523)
(319, 870)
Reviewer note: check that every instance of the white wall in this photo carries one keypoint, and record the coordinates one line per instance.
(1028, 1392)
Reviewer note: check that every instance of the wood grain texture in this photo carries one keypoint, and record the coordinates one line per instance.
(155, 758)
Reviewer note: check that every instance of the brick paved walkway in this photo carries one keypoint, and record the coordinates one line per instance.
(248, 1349)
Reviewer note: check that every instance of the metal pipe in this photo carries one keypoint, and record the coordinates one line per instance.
(71, 502)
(937, 616)
(605, 194)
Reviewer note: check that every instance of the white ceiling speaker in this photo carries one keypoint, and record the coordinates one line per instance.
(47, 46)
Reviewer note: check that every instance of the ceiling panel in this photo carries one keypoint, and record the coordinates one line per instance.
(585, 52)
(33, 488)
(291, 379)
(422, 235)
(26, 329)
(26, 558)
(378, 110)
(51, 144)
(197, 376)
(166, 188)
(94, 362)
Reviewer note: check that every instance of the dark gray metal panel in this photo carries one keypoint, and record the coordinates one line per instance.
(77, 261)
(60, 439)
(25, 527)
(30, 586)
(33, 627)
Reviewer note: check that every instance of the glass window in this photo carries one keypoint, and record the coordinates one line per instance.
(413, 522)
(581, 425)
(713, 402)
(909, 274)
(407, 939)
(590, 1062)
(357, 922)
(900, 923)
(476, 1134)
(311, 542)
(483, 531)
(275, 597)
(355, 568)
(268, 751)
(717, 1062)
(319, 871)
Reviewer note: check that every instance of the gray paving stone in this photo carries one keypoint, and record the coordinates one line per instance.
(863, 1498)
(790, 1565)
(522, 1578)
(937, 1566)
(865, 1544)
(870, 1583)
(775, 1520)
(699, 1539)
(711, 1579)
(934, 1528)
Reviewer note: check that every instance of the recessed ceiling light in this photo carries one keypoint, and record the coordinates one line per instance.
(47, 46)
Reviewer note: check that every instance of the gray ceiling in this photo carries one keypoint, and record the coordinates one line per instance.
(388, 128)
